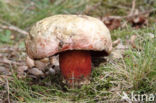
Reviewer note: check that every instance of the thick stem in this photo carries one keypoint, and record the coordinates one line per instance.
(75, 65)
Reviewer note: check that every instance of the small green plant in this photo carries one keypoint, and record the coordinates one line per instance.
(5, 37)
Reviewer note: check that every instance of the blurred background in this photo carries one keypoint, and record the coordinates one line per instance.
(24, 13)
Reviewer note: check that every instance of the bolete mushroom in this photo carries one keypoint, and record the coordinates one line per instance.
(74, 38)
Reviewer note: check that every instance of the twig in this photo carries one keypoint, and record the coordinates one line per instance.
(133, 8)
(116, 42)
(124, 24)
(7, 61)
(7, 84)
(131, 16)
(13, 28)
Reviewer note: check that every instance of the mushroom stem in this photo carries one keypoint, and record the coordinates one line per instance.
(75, 65)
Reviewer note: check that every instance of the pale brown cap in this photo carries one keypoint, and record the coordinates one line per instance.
(59, 33)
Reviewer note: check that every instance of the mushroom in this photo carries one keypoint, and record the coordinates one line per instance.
(75, 38)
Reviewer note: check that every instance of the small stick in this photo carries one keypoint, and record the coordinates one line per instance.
(116, 42)
(130, 16)
(133, 8)
(7, 61)
(7, 84)
(14, 28)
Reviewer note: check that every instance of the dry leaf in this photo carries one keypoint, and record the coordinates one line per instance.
(138, 21)
(45, 60)
(21, 71)
(118, 51)
(30, 63)
(4, 71)
(116, 54)
(40, 65)
(111, 23)
(36, 72)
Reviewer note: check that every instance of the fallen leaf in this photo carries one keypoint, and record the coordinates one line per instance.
(116, 54)
(4, 71)
(30, 63)
(111, 23)
(138, 21)
(21, 71)
(118, 51)
(35, 71)
(40, 65)
(7, 61)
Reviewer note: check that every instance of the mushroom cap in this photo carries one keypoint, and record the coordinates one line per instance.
(59, 33)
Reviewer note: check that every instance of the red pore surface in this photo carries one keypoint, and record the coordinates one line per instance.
(75, 65)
